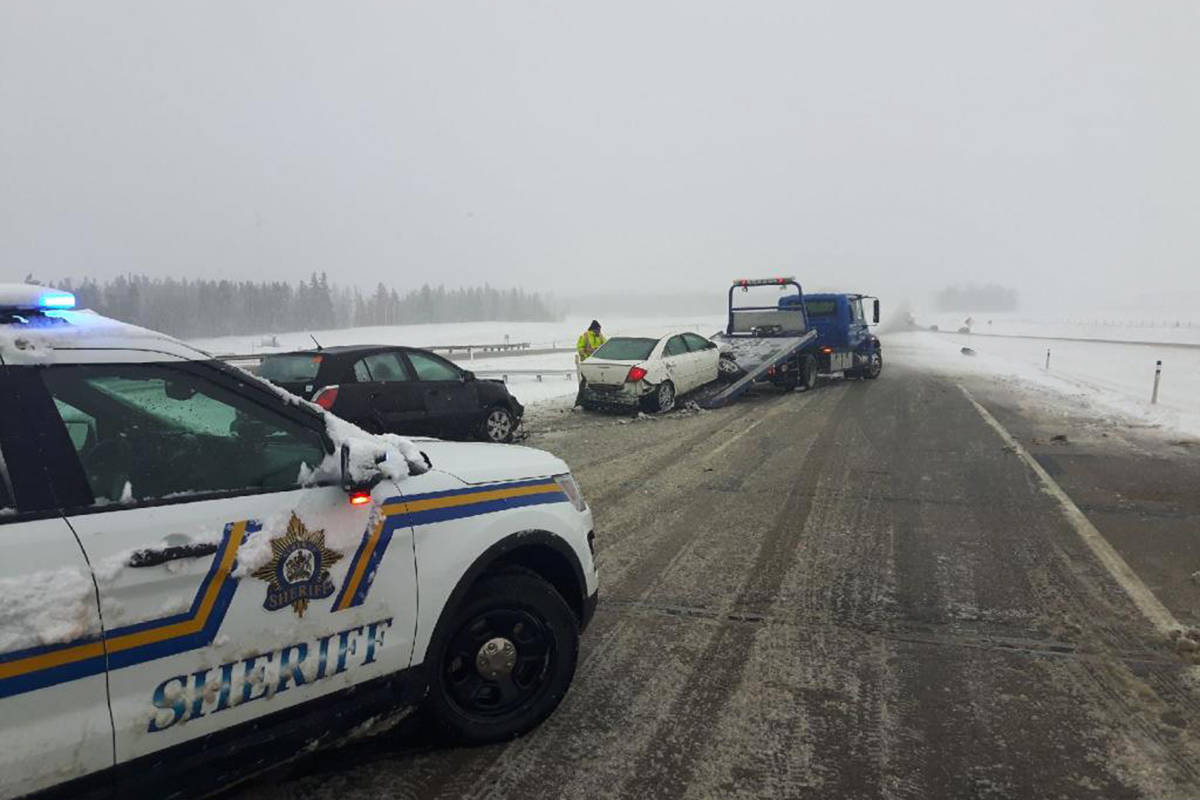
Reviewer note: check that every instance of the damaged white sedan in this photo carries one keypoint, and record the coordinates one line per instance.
(630, 372)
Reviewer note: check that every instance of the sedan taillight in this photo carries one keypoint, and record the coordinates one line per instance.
(635, 375)
(326, 397)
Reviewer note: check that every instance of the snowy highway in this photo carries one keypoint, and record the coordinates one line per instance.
(860, 591)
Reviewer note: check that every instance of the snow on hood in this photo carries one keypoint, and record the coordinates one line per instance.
(480, 462)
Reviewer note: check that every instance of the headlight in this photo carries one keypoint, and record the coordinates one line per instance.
(571, 490)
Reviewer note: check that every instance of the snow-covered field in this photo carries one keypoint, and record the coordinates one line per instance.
(538, 334)
(1115, 380)
(1151, 326)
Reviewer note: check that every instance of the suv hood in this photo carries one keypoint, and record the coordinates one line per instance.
(480, 462)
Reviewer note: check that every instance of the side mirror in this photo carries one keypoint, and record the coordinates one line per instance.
(350, 484)
(467, 375)
(876, 310)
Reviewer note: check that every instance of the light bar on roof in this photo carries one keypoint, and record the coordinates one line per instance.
(29, 297)
(763, 281)
(57, 300)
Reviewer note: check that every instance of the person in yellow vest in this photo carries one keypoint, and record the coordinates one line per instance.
(588, 343)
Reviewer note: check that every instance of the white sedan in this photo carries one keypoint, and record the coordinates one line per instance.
(649, 373)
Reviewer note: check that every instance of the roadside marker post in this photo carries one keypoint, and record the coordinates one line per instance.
(1047, 359)
(1157, 378)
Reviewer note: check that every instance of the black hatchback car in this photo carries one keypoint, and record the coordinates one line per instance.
(388, 389)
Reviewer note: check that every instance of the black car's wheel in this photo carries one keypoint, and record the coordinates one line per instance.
(663, 398)
(499, 425)
(505, 661)
(875, 366)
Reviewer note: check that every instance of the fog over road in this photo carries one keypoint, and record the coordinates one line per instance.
(859, 591)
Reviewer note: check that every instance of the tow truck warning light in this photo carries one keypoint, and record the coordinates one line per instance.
(744, 282)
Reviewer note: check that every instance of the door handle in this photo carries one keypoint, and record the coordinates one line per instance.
(154, 557)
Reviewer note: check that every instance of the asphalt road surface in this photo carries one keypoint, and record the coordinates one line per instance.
(860, 591)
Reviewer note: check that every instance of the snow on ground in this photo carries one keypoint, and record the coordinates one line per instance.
(1114, 380)
(538, 334)
(1149, 326)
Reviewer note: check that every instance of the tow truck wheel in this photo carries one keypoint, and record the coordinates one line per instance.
(506, 660)
(875, 367)
(808, 373)
(663, 399)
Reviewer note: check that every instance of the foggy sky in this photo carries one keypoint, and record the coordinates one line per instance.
(585, 147)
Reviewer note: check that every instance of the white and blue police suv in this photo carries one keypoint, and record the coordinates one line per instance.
(201, 576)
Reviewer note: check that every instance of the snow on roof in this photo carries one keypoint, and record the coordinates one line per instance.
(84, 337)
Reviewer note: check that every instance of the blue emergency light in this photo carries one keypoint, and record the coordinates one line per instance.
(18, 297)
(57, 300)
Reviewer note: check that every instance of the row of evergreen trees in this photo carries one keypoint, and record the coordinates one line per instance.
(975, 298)
(201, 308)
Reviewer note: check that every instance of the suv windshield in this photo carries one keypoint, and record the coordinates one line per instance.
(291, 368)
(624, 348)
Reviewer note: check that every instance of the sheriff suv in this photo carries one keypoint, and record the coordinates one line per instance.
(202, 575)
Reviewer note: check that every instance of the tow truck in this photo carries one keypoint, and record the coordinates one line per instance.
(845, 344)
(792, 341)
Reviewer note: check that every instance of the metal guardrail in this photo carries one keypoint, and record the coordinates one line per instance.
(1185, 345)
(482, 348)
(538, 373)
(460, 352)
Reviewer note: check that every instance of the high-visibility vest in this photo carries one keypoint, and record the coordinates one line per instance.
(589, 343)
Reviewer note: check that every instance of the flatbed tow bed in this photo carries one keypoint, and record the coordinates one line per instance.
(762, 342)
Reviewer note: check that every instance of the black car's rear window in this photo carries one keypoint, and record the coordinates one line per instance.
(293, 368)
(625, 348)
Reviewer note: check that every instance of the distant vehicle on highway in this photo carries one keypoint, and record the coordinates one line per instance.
(389, 389)
(646, 372)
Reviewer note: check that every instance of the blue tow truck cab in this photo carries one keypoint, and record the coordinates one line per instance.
(844, 342)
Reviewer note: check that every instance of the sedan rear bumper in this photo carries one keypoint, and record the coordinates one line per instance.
(628, 395)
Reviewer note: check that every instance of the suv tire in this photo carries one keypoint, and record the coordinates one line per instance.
(808, 372)
(505, 661)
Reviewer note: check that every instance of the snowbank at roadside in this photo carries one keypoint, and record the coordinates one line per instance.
(1115, 380)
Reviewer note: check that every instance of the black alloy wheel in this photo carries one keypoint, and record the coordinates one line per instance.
(506, 661)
